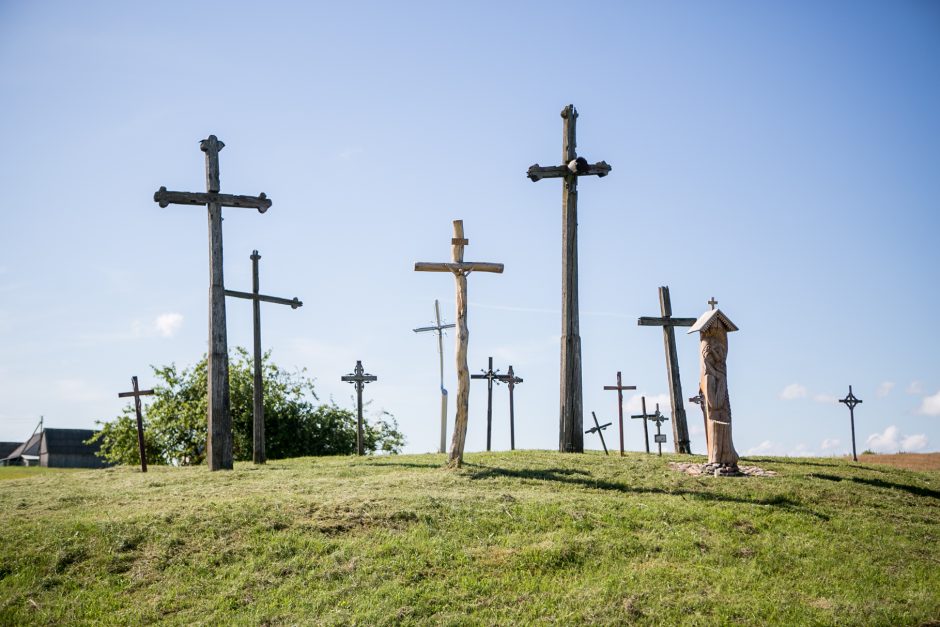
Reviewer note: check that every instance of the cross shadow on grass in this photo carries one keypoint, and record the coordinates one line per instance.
(585, 479)
(878, 483)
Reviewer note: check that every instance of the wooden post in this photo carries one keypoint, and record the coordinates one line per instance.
(680, 427)
(570, 435)
(490, 375)
(359, 378)
(460, 270)
(137, 393)
(620, 387)
(439, 328)
(644, 417)
(259, 454)
(850, 402)
(219, 445)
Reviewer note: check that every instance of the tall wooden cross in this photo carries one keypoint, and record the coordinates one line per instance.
(599, 430)
(570, 436)
(511, 380)
(644, 417)
(137, 393)
(850, 402)
(219, 453)
(680, 428)
(460, 270)
(620, 387)
(359, 378)
(439, 328)
(258, 449)
(490, 375)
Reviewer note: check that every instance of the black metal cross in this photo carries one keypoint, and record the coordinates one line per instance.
(851, 401)
(658, 418)
(644, 416)
(570, 437)
(359, 378)
(137, 393)
(620, 387)
(490, 375)
(712, 302)
(599, 430)
(510, 379)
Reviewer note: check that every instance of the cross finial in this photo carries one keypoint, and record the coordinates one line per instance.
(713, 302)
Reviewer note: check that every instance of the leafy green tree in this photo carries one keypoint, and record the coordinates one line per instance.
(175, 429)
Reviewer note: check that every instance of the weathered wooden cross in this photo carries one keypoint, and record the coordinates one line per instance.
(660, 437)
(219, 453)
(511, 380)
(359, 378)
(257, 298)
(644, 417)
(137, 393)
(680, 428)
(620, 387)
(439, 328)
(599, 430)
(570, 436)
(490, 375)
(850, 402)
(460, 270)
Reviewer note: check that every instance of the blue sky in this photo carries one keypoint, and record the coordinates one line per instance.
(780, 157)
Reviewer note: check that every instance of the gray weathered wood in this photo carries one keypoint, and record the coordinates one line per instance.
(537, 172)
(644, 417)
(648, 321)
(165, 198)
(460, 270)
(620, 387)
(293, 303)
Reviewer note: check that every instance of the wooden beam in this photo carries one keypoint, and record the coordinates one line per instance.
(260, 202)
(648, 321)
(537, 172)
(293, 302)
(463, 267)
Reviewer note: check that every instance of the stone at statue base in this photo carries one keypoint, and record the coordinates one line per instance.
(720, 470)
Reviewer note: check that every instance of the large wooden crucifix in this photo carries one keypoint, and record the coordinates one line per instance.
(359, 378)
(620, 387)
(570, 435)
(511, 381)
(490, 375)
(137, 393)
(439, 328)
(258, 449)
(219, 450)
(460, 270)
(680, 428)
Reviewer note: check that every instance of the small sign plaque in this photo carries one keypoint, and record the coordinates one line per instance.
(660, 438)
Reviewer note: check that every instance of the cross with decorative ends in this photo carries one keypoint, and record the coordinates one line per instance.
(644, 417)
(258, 448)
(851, 401)
(620, 388)
(699, 399)
(460, 270)
(713, 302)
(137, 393)
(439, 328)
(219, 453)
(359, 378)
(511, 380)
(571, 439)
(660, 437)
(490, 375)
(599, 430)
(680, 429)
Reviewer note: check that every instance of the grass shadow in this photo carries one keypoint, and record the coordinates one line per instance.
(879, 483)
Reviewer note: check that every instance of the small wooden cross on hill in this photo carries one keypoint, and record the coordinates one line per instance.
(850, 402)
(137, 393)
(599, 430)
(620, 387)
(219, 453)
(258, 449)
(490, 375)
(571, 438)
(359, 378)
(644, 417)
(460, 270)
(680, 428)
(439, 328)
(511, 380)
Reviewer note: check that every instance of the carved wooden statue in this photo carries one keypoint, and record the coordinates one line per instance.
(713, 328)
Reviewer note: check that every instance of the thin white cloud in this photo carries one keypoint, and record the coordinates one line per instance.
(634, 404)
(763, 448)
(793, 391)
(349, 153)
(915, 387)
(801, 450)
(912, 443)
(826, 399)
(168, 324)
(884, 389)
(829, 444)
(891, 440)
(930, 406)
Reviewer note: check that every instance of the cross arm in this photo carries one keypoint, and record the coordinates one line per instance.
(293, 302)
(537, 172)
(366, 378)
(138, 393)
(466, 266)
(619, 387)
(260, 202)
(443, 326)
(648, 321)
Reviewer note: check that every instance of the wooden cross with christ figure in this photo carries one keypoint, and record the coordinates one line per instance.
(219, 450)
(460, 269)
(258, 450)
(570, 436)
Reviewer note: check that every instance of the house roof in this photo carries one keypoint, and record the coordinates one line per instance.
(8, 447)
(68, 442)
(29, 447)
(709, 319)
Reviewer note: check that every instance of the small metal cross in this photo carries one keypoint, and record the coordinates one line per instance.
(851, 401)
(599, 430)
(713, 302)
(490, 375)
(359, 378)
(511, 380)
(137, 393)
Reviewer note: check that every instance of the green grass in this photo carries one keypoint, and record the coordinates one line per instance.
(529, 537)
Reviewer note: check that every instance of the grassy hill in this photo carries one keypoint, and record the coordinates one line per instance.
(525, 537)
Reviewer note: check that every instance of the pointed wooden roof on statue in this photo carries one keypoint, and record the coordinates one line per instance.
(710, 318)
